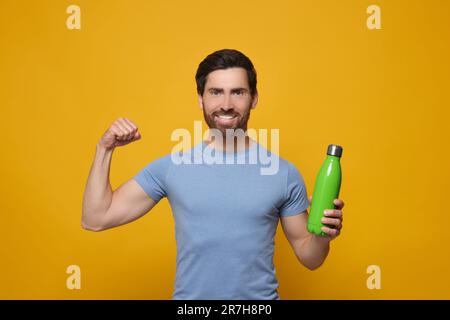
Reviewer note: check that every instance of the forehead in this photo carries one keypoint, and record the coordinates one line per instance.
(231, 77)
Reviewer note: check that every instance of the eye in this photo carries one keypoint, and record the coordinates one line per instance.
(239, 93)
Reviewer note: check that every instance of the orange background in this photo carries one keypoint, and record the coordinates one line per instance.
(324, 77)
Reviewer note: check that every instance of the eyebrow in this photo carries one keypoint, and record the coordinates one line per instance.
(232, 90)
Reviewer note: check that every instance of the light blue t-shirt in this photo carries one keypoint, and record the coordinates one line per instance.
(226, 216)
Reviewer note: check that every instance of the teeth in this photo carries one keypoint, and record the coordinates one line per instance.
(226, 117)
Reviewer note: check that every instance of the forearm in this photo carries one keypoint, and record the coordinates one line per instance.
(313, 251)
(98, 193)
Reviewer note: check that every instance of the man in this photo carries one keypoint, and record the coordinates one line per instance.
(226, 215)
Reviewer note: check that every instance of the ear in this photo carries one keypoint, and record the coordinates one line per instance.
(200, 101)
(254, 100)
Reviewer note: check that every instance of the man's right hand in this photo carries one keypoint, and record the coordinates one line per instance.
(121, 132)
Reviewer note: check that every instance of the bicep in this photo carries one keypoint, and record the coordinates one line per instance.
(129, 202)
(295, 228)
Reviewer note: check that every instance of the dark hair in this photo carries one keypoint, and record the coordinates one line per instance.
(224, 59)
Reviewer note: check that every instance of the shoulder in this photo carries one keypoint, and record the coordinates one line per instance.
(290, 171)
(157, 167)
(286, 168)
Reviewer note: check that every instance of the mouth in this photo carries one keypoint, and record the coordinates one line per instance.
(225, 120)
(223, 116)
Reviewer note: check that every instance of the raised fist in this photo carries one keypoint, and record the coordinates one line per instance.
(121, 132)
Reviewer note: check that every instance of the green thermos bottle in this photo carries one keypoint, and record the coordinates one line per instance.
(326, 189)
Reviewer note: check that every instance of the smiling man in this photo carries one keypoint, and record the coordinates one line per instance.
(226, 215)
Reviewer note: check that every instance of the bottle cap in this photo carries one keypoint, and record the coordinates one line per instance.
(334, 150)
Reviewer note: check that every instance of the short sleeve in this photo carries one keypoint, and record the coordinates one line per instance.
(296, 197)
(152, 178)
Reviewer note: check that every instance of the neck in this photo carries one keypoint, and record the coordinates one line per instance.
(234, 143)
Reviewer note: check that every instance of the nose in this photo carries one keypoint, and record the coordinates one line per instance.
(226, 103)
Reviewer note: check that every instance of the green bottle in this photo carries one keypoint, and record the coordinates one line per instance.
(326, 189)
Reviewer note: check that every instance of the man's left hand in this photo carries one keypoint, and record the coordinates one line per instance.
(333, 218)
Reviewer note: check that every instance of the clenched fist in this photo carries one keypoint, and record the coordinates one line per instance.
(121, 132)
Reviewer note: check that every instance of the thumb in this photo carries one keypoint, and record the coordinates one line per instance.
(137, 136)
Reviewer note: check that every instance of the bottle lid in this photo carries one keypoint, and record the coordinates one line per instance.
(334, 150)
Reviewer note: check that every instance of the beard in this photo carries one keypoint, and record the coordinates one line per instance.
(241, 124)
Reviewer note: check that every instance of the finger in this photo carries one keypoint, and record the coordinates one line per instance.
(339, 203)
(115, 130)
(330, 231)
(129, 130)
(332, 222)
(120, 126)
(137, 136)
(125, 128)
(333, 214)
(134, 126)
(119, 130)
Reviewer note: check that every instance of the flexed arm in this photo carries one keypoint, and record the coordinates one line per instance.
(104, 208)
